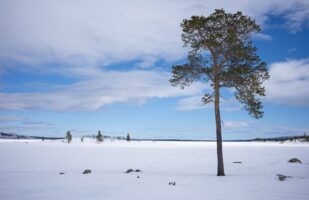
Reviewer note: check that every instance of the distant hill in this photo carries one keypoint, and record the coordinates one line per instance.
(304, 138)
(301, 138)
(17, 136)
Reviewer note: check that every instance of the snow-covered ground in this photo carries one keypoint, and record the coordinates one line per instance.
(30, 170)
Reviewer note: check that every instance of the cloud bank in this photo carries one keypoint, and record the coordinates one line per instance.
(58, 35)
(288, 85)
(105, 89)
(289, 82)
(81, 39)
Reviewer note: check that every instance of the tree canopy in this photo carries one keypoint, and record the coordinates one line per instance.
(222, 51)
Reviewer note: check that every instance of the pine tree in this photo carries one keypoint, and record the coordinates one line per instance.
(69, 136)
(128, 137)
(222, 53)
(99, 137)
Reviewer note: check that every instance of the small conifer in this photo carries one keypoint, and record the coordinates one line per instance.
(99, 137)
(128, 137)
(69, 136)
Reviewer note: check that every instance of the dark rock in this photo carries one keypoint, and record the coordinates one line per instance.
(172, 183)
(237, 162)
(129, 171)
(282, 177)
(294, 160)
(137, 177)
(87, 171)
(61, 173)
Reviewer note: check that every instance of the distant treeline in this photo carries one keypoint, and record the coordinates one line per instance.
(275, 139)
(17, 136)
(283, 139)
(105, 137)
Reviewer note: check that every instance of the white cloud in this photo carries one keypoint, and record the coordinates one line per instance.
(106, 88)
(291, 50)
(11, 118)
(82, 35)
(147, 62)
(195, 103)
(37, 123)
(297, 16)
(294, 12)
(234, 124)
(255, 129)
(191, 103)
(267, 131)
(262, 36)
(25, 125)
(29, 129)
(289, 82)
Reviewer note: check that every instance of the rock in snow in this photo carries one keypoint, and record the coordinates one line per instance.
(131, 170)
(282, 177)
(87, 171)
(172, 183)
(295, 160)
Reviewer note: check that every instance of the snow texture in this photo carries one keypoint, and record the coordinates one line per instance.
(30, 170)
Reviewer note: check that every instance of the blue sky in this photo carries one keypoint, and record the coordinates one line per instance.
(94, 65)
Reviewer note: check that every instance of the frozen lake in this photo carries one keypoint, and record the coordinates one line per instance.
(30, 170)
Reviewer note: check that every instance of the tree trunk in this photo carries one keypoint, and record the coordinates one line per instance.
(220, 171)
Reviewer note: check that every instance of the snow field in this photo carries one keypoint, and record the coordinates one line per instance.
(30, 170)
